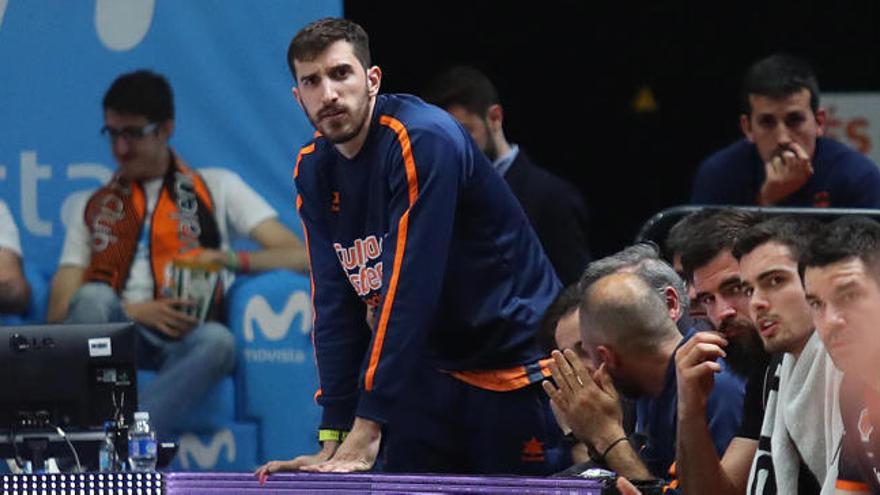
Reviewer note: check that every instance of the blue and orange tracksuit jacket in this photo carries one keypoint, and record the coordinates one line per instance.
(419, 228)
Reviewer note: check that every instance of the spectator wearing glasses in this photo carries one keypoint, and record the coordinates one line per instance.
(117, 255)
(784, 158)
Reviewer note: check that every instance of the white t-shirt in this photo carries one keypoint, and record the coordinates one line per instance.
(8, 230)
(236, 205)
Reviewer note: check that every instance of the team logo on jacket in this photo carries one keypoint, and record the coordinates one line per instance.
(361, 265)
(533, 450)
(822, 199)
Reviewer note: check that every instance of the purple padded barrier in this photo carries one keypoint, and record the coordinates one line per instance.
(303, 483)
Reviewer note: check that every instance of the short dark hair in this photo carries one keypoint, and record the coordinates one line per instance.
(566, 302)
(711, 232)
(793, 232)
(846, 237)
(462, 86)
(679, 235)
(778, 76)
(141, 92)
(313, 39)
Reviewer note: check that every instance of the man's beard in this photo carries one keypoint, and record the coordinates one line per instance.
(745, 350)
(359, 117)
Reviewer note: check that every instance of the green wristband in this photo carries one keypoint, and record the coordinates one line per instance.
(331, 435)
(231, 260)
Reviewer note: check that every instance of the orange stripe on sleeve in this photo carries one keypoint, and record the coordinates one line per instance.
(406, 150)
(402, 228)
(304, 151)
(852, 486)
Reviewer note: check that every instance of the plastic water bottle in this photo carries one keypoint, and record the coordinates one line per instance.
(142, 447)
(107, 459)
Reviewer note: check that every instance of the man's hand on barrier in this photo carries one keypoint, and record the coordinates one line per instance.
(163, 315)
(358, 451)
(786, 172)
(297, 463)
(626, 488)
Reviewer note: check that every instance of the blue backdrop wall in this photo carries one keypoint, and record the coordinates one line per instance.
(234, 109)
(224, 59)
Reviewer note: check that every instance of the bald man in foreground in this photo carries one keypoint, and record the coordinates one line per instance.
(631, 340)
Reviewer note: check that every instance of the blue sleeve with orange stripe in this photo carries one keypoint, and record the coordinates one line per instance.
(423, 180)
(340, 334)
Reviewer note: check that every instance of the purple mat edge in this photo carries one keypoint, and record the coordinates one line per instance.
(385, 478)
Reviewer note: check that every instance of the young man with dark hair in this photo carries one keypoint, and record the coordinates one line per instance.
(683, 234)
(715, 275)
(801, 428)
(555, 209)
(407, 221)
(118, 253)
(841, 271)
(784, 160)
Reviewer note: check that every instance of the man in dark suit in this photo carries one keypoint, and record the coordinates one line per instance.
(554, 207)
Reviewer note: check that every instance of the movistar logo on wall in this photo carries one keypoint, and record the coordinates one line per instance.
(205, 456)
(262, 325)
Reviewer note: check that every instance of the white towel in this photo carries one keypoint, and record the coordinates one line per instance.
(808, 419)
(802, 420)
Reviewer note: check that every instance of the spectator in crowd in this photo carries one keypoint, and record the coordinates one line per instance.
(117, 256)
(627, 331)
(14, 289)
(784, 159)
(405, 215)
(555, 209)
(841, 270)
(801, 430)
(715, 274)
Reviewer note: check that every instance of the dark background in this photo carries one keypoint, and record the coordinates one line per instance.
(568, 71)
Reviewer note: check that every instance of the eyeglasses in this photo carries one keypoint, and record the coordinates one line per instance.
(129, 134)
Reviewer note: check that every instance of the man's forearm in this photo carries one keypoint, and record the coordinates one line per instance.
(293, 258)
(697, 464)
(625, 461)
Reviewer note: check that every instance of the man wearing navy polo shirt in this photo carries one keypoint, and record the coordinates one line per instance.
(784, 160)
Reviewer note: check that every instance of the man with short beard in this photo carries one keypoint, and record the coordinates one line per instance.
(405, 217)
(715, 274)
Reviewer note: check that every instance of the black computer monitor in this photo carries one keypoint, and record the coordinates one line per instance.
(75, 377)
